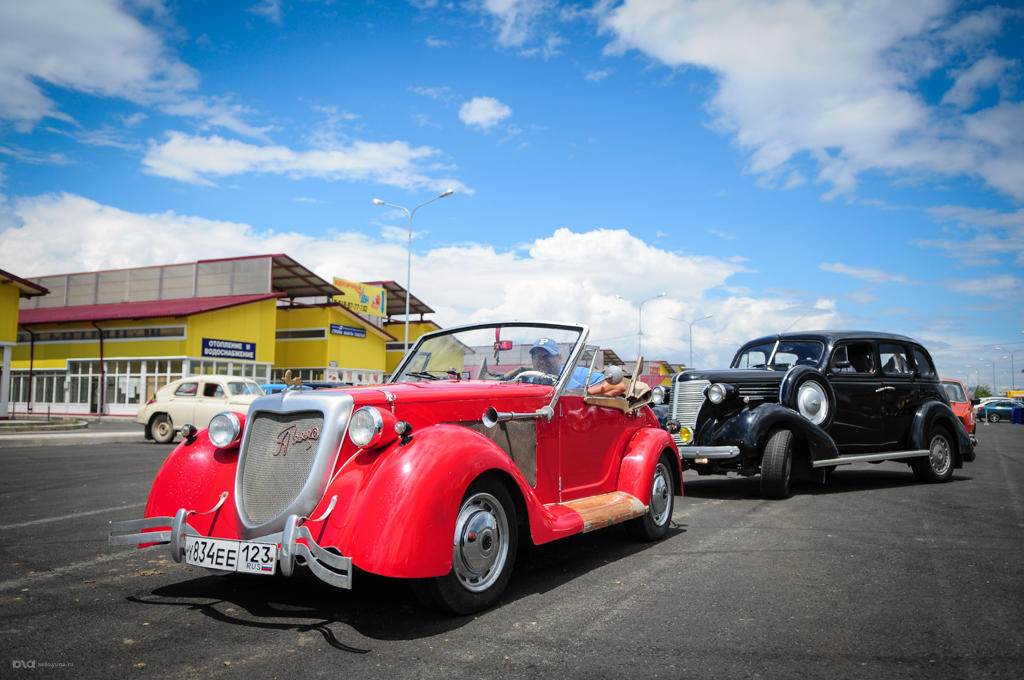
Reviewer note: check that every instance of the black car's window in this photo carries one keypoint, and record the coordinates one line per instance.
(893, 358)
(786, 354)
(854, 357)
(924, 366)
(188, 389)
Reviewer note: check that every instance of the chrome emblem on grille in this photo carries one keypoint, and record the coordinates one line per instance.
(291, 435)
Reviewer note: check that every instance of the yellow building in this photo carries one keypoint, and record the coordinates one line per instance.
(12, 290)
(104, 342)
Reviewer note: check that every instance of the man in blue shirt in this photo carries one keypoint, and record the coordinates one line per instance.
(546, 358)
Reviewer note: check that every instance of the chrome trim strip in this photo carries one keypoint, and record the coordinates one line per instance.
(709, 452)
(868, 457)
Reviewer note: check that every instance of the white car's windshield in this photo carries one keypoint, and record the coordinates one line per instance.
(245, 387)
(515, 351)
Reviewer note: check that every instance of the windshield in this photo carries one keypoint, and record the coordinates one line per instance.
(954, 392)
(502, 352)
(245, 387)
(780, 355)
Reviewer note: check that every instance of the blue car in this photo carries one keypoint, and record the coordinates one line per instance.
(994, 411)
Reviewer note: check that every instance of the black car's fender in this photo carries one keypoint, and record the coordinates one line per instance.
(934, 413)
(797, 376)
(750, 429)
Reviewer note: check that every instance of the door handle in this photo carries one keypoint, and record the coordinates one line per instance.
(883, 389)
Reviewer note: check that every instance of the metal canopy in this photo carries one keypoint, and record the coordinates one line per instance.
(295, 281)
(396, 300)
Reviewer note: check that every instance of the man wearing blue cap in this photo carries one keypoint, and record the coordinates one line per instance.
(546, 358)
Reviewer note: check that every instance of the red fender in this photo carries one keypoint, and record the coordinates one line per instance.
(193, 477)
(642, 454)
(401, 521)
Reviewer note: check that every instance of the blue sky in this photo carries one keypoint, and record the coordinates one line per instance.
(787, 164)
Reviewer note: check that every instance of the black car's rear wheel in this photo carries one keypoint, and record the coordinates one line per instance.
(777, 465)
(483, 553)
(653, 525)
(937, 466)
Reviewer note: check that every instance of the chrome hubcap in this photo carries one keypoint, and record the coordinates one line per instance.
(812, 402)
(481, 542)
(661, 495)
(940, 455)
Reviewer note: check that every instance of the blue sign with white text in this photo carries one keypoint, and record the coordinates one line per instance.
(229, 349)
(338, 329)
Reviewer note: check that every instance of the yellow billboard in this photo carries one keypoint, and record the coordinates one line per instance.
(361, 298)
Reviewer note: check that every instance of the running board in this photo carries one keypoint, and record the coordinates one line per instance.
(606, 509)
(869, 457)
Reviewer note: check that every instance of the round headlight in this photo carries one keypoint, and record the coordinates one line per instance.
(658, 395)
(365, 426)
(224, 429)
(717, 393)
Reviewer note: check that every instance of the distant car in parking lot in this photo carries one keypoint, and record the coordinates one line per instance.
(961, 403)
(1000, 409)
(195, 401)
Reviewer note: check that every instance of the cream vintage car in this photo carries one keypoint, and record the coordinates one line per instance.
(195, 401)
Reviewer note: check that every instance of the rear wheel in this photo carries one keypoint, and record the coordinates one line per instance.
(162, 429)
(653, 526)
(483, 553)
(777, 465)
(937, 466)
(993, 417)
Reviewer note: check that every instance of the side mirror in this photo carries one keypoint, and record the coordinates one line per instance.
(838, 366)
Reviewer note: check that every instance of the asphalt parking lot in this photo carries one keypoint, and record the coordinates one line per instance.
(873, 576)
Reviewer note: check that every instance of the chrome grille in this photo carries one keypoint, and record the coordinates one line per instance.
(687, 398)
(274, 473)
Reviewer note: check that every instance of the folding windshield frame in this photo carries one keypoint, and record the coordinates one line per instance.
(568, 368)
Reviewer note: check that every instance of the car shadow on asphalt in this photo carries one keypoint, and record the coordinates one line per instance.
(383, 608)
(855, 480)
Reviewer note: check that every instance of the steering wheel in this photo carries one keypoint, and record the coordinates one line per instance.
(537, 377)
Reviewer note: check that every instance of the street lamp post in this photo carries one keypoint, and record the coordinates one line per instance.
(691, 336)
(639, 323)
(408, 267)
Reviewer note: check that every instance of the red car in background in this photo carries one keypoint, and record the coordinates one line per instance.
(961, 403)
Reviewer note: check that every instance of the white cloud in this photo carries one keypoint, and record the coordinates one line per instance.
(870, 274)
(97, 48)
(992, 236)
(271, 9)
(1001, 286)
(837, 81)
(483, 112)
(197, 159)
(553, 277)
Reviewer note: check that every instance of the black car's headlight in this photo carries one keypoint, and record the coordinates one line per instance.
(719, 392)
(224, 429)
(659, 395)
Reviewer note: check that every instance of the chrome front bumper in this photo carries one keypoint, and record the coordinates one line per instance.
(327, 566)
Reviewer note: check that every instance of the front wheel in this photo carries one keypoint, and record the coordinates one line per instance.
(162, 429)
(937, 466)
(483, 553)
(777, 465)
(653, 525)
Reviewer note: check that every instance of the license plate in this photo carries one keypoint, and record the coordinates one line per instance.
(245, 557)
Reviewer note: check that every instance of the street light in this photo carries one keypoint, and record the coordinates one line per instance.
(639, 323)
(1013, 369)
(408, 267)
(690, 365)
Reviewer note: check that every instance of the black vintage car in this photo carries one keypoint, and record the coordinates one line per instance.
(796, 405)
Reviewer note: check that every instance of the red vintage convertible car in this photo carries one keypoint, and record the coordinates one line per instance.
(486, 434)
